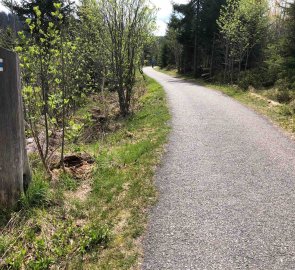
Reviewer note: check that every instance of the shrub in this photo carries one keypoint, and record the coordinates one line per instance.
(283, 93)
(283, 96)
(38, 193)
(218, 77)
(250, 78)
(292, 106)
(285, 110)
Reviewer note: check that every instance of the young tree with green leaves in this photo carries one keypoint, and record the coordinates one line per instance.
(173, 44)
(128, 25)
(92, 46)
(25, 9)
(49, 81)
(243, 24)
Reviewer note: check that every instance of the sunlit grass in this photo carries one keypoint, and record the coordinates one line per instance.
(281, 115)
(93, 223)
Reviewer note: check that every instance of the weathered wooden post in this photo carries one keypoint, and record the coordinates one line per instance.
(15, 173)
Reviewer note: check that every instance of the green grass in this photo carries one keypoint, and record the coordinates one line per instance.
(279, 115)
(58, 226)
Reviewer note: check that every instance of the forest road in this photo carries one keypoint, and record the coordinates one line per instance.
(226, 187)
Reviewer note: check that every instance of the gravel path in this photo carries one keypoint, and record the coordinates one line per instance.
(227, 187)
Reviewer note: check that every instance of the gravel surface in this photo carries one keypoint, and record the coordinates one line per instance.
(226, 187)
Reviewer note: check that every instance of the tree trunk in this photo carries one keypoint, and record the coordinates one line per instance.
(226, 62)
(196, 40)
(15, 174)
(212, 56)
(195, 56)
(247, 59)
(124, 110)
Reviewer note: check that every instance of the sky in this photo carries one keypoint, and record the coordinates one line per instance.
(164, 11)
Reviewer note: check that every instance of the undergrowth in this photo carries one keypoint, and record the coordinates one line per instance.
(93, 223)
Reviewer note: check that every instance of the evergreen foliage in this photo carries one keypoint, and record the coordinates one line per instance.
(233, 41)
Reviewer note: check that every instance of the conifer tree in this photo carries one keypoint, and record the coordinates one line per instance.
(289, 47)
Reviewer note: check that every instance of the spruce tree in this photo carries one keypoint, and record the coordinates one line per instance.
(289, 48)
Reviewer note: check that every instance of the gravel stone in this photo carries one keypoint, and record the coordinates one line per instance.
(226, 187)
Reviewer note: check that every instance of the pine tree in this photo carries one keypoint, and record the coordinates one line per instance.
(289, 47)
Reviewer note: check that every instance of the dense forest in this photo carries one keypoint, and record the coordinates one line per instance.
(242, 42)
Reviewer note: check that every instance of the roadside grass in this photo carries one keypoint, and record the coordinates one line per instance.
(93, 223)
(280, 114)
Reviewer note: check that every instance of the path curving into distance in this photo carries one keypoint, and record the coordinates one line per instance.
(226, 187)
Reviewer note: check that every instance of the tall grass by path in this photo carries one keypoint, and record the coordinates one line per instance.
(95, 223)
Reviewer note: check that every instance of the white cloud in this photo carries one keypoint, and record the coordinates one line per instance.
(161, 28)
(164, 11)
(2, 8)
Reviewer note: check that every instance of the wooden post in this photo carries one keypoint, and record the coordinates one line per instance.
(15, 172)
